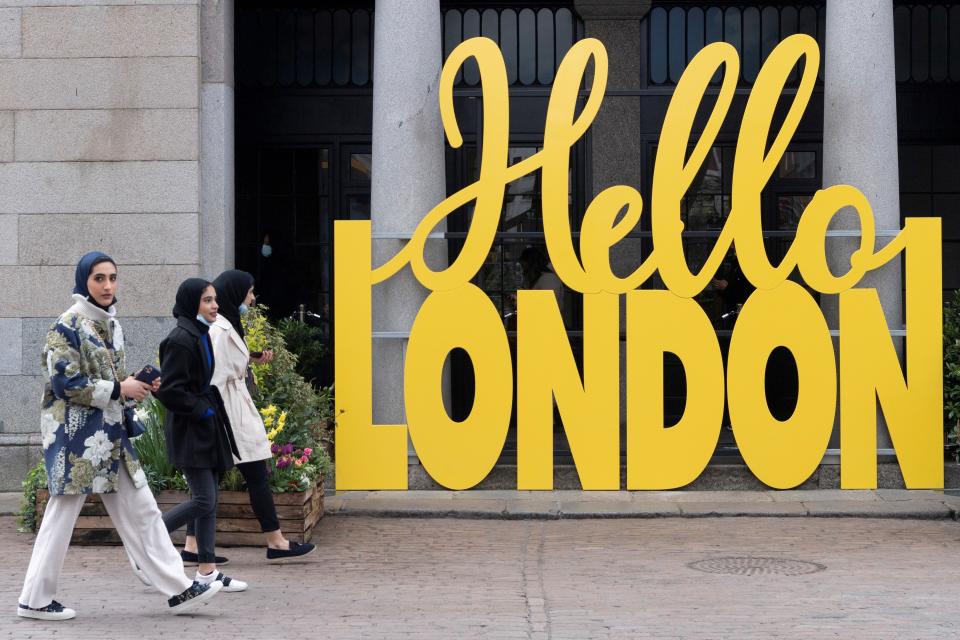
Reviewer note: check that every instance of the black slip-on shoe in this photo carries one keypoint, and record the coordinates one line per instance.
(190, 559)
(296, 550)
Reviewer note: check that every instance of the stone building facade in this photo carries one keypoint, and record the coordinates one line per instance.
(176, 134)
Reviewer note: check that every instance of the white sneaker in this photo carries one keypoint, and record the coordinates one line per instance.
(53, 611)
(230, 585)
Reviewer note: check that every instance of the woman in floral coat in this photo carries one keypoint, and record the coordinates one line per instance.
(87, 449)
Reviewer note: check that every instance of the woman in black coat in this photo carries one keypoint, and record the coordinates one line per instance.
(199, 438)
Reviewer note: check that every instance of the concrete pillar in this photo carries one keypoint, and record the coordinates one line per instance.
(217, 199)
(407, 176)
(860, 142)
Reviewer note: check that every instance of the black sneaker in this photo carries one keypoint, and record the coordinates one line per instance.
(193, 598)
(190, 559)
(296, 550)
(53, 611)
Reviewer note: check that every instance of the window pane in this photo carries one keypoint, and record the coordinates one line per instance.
(714, 25)
(955, 43)
(276, 171)
(947, 207)
(361, 47)
(287, 47)
(678, 53)
(452, 36)
(694, 32)
(939, 44)
(731, 28)
(565, 34)
(920, 44)
(770, 20)
(901, 42)
(658, 45)
(915, 168)
(508, 42)
(545, 46)
(946, 168)
(471, 29)
(341, 47)
(789, 210)
(307, 171)
(266, 43)
(360, 164)
(489, 25)
(798, 164)
(308, 219)
(305, 46)
(751, 43)
(527, 43)
(358, 207)
(324, 52)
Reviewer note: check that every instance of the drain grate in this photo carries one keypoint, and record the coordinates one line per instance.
(753, 566)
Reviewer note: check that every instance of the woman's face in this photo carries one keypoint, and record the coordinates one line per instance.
(102, 283)
(250, 299)
(208, 305)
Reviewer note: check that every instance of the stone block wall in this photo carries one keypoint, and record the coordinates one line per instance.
(101, 103)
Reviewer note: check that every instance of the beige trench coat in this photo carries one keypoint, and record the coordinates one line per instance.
(231, 357)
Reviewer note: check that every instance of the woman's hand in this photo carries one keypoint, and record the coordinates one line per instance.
(264, 358)
(134, 389)
(155, 386)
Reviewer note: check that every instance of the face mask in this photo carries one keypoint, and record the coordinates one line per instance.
(200, 318)
(243, 309)
(266, 250)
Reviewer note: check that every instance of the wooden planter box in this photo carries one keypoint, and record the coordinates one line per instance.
(236, 524)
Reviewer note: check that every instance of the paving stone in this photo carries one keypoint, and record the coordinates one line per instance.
(574, 509)
(879, 509)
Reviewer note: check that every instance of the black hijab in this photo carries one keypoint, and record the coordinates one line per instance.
(232, 287)
(188, 301)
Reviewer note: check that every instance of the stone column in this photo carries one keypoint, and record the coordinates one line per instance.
(216, 138)
(860, 143)
(407, 177)
(616, 136)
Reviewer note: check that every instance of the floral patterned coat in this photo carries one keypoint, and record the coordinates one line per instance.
(83, 436)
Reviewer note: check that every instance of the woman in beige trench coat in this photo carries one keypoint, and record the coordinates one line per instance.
(234, 295)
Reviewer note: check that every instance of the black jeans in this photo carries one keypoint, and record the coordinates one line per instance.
(261, 498)
(200, 511)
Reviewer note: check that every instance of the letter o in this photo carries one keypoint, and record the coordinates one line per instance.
(782, 454)
(458, 455)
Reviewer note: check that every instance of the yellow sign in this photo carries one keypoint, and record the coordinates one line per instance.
(780, 312)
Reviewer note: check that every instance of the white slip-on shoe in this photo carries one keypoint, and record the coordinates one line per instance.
(53, 611)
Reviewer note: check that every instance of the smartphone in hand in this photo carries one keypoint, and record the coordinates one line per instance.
(148, 374)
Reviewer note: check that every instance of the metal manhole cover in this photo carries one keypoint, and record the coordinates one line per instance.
(751, 566)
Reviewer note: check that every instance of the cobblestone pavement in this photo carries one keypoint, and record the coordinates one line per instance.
(453, 578)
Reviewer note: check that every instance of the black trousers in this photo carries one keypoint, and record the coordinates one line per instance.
(199, 512)
(261, 498)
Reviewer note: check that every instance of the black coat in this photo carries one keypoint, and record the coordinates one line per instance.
(193, 440)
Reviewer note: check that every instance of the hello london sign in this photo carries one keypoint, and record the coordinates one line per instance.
(780, 312)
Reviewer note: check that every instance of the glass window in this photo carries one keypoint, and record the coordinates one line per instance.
(565, 33)
(751, 43)
(358, 207)
(527, 45)
(341, 47)
(955, 48)
(452, 36)
(287, 54)
(798, 164)
(920, 44)
(677, 50)
(471, 29)
(305, 48)
(546, 43)
(508, 42)
(789, 210)
(658, 45)
(361, 48)
(946, 168)
(939, 44)
(695, 32)
(360, 168)
(323, 53)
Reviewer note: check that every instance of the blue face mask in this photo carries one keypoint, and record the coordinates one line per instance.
(243, 309)
(266, 250)
(200, 318)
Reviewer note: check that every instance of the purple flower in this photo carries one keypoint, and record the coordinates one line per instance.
(274, 449)
(287, 449)
(283, 463)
